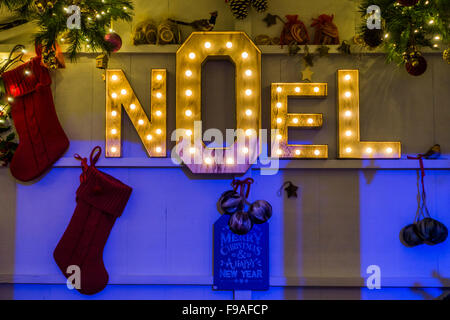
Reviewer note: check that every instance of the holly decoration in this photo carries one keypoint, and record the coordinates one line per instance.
(51, 18)
(405, 27)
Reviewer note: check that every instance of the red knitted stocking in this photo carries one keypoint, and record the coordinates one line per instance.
(100, 200)
(42, 141)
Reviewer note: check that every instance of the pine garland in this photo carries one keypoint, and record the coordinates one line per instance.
(96, 17)
(425, 24)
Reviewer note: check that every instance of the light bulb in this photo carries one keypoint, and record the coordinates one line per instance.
(208, 160)
(244, 55)
(316, 152)
(191, 150)
(207, 45)
(114, 77)
(230, 160)
(113, 149)
(188, 93)
(297, 152)
(158, 113)
(188, 113)
(158, 149)
(437, 38)
(431, 21)
(248, 73)
(348, 113)
(191, 55)
(188, 133)
(10, 99)
(229, 45)
(279, 136)
(386, 35)
(113, 131)
(279, 152)
(279, 104)
(348, 150)
(114, 113)
(188, 73)
(159, 95)
(369, 150)
(140, 122)
(159, 77)
(297, 89)
(114, 95)
(149, 137)
(132, 106)
(389, 150)
(27, 72)
(279, 89)
(248, 112)
(310, 120)
(249, 132)
(295, 120)
(123, 91)
(348, 94)
(316, 89)
(245, 150)
(347, 77)
(279, 120)
(348, 133)
(158, 131)
(248, 92)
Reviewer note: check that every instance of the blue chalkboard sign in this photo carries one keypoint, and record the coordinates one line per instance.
(241, 262)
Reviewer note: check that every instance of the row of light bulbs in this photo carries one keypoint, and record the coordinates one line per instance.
(141, 122)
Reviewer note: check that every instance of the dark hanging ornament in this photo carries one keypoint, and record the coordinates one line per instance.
(260, 211)
(409, 236)
(415, 63)
(407, 3)
(260, 5)
(239, 8)
(344, 48)
(114, 41)
(373, 38)
(290, 189)
(432, 231)
(230, 202)
(271, 19)
(240, 223)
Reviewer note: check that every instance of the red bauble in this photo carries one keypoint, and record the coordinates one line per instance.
(408, 3)
(416, 66)
(114, 40)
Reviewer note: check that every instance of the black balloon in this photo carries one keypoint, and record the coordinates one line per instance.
(240, 223)
(432, 231)
(260, 211)
(409, 236)
(230, 202)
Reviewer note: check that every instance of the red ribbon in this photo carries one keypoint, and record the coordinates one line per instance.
(244, 186)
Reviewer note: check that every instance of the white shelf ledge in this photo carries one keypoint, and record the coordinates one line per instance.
(401, 164)
(172, 49)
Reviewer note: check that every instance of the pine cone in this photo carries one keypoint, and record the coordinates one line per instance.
(239, 8)
(260, 5)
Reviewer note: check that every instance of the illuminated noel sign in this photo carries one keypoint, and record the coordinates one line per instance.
(245, 148)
